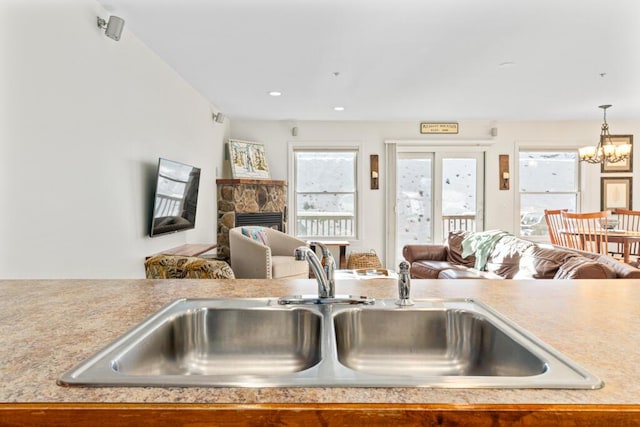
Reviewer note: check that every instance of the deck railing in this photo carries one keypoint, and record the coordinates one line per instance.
(325, 224)
(458, 222)
(330, 224)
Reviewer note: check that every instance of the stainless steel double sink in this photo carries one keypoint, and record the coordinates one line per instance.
(456, 343)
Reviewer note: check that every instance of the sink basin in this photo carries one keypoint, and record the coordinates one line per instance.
(428, 342)
(208, 342)
(233, 341)
(455, 343)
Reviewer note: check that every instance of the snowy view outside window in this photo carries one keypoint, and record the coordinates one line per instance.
(548, 180)
(325, 190)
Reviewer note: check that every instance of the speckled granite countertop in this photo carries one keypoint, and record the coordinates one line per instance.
(49, 326)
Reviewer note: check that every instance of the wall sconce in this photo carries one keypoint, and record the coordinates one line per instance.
(113, 28)
(505, 179)
(218, 118)
(374, 172)
(503, 166)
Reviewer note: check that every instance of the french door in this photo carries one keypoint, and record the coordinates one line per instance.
(434, 192)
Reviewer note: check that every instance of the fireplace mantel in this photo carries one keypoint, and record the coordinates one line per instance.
(244, 181)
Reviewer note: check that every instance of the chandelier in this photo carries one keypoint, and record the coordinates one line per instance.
(606, 150)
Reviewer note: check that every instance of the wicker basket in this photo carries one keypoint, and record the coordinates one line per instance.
(359, 260)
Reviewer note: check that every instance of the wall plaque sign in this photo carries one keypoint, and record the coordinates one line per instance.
(438, 128)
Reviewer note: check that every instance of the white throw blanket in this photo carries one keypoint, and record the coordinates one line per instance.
(481, 244)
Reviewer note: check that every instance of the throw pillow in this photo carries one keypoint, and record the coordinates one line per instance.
(256, 233)
(454, 254)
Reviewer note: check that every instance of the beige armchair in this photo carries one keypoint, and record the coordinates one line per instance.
(251, 259)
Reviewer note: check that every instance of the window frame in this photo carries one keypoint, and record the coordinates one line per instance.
(333, 146)
(518, 194)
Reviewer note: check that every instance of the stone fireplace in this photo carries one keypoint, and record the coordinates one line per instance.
(237, 197)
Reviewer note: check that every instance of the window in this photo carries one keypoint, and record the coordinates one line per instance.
(548, 180)
(325, 191)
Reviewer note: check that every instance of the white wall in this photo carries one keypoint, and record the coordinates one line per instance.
(500, 212)
(83, 121)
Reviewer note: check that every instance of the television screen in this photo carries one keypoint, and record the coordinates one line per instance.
(176, 197)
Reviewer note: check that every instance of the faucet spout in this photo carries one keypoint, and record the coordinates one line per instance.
(325, 276)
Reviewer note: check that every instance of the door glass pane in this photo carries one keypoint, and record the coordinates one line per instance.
(459, 178)
(414, 202)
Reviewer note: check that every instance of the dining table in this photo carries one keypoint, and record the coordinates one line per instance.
(625, 238)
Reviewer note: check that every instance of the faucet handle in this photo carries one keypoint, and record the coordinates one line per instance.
(300, 254)
(404, 267)
(326, 253)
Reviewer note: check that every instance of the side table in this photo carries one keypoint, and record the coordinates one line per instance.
(189, 249)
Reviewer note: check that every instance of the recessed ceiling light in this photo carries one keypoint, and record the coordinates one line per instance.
(275, 93)
(338, 108)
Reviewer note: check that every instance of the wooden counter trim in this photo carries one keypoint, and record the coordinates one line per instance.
(342, 414)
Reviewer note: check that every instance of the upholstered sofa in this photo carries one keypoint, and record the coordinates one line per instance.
(265, 253)
(511, 258)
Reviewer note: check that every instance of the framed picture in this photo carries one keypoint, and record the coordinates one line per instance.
(248, 160)
(615, 193)
(623, 165)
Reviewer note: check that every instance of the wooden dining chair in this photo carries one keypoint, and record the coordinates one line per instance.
(553, 219)
(583, 231)
(628, 220)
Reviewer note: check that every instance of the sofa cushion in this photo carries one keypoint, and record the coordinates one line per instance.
(429, 269)
(454, 245)
(466, 273)
(504, 259)
(584, 268)
(622, 269)
(539, 262)
(286, 266)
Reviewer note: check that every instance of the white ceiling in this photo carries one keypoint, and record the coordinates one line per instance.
(400, 59)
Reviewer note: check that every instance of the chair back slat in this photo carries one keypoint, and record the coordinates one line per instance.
(553, 219)
(583, 231)
(629, 220)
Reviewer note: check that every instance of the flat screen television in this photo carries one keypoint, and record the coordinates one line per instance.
(175, 198)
